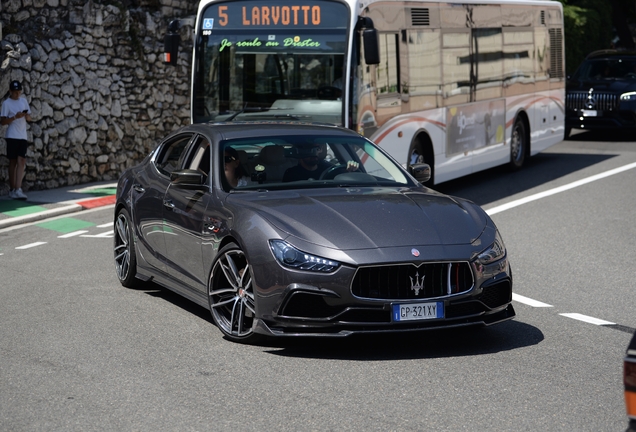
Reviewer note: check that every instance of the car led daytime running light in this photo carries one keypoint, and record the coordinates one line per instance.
(495, 252)
(628, 97)
(289, 256)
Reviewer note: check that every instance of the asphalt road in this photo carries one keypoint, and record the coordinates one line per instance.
(78, 352)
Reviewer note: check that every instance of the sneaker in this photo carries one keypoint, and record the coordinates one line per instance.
(12, 194)
(18, 194)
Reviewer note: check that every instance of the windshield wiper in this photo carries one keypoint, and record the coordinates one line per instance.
(247, 109)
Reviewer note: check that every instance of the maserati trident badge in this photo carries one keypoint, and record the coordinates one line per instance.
(415, 252)
(418, 284)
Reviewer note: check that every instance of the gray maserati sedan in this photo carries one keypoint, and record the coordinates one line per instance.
(297, 229)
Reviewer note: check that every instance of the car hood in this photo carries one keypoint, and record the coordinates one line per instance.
(612, 86)
(362, 218)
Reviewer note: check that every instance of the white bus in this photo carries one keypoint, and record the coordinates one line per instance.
(461, 85)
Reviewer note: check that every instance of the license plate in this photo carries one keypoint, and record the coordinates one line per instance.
(589, 113)
(418, 311)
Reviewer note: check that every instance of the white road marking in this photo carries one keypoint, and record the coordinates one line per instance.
(107, 234)
(72, 234)
(106, 225)
(529, 301)
(560, 189)
(587, 319)
(31, 245)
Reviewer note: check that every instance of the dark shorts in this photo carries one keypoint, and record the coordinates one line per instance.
(16, 147)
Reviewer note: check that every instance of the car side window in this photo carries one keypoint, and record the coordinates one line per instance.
(171, 153)
(199, 158)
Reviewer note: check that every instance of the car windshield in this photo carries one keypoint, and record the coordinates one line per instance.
(607, 69)
(292, 162)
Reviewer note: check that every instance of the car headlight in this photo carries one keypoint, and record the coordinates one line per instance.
(495, 252)
(289, 256)
(628, 97)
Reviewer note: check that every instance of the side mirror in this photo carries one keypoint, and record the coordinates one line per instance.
(371, 46)
(187, 177)
(421, 172)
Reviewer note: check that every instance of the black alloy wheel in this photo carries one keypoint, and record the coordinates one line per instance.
(518, 145)
(231, 295)
(124, 251)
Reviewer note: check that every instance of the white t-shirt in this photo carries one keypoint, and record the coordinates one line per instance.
(18, 128)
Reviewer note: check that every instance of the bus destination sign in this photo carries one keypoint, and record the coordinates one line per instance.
(274, 15)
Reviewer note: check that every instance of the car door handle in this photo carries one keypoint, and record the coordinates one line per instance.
(168, 204)
(139, 188)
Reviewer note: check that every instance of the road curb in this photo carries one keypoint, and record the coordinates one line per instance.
(72, 207)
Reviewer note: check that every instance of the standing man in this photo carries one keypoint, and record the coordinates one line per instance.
(15, 112)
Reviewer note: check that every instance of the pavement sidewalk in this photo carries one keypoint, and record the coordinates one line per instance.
(54, 202)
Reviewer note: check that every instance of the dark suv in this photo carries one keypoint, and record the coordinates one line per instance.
(602, 92)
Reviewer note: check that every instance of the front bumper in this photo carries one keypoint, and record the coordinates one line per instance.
(305, 310)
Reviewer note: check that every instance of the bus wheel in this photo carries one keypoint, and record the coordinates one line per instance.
(518, 145)
(423, 153)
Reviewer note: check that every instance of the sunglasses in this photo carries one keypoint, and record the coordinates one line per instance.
(229, 159)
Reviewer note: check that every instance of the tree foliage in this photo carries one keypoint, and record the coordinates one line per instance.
(591, 25)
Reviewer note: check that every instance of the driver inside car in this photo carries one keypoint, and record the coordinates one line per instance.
(311, 163)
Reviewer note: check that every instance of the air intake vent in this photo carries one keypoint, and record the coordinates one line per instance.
(542, 17)
(556, 53)
(419, 17)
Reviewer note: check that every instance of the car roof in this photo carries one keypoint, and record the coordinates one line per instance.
(248, 129)
(610, 53)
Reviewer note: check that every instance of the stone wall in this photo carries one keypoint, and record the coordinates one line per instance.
(92, 72)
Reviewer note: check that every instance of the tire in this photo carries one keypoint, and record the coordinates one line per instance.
(231, 295)
(417, 155)
(124, 251)
(518, 145)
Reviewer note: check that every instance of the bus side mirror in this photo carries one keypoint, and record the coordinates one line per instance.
(171, 43)
(371, 46)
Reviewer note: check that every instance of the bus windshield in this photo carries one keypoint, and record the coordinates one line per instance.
(270, 60)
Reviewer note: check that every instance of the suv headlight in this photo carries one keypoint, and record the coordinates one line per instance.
(628, 97)
(495, 252)
(290, 257)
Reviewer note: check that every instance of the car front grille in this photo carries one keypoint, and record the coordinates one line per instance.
(599, 101)
(408, 282)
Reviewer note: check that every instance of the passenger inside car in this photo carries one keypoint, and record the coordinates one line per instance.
(311, 163)
(234, 171)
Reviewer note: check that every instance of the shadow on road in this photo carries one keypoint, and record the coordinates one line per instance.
(466, 341)
(417, 345)
(154, 290)
(497, 183)
(614, 135)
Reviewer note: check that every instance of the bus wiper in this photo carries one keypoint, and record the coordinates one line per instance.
(247, 109)
(291, 116)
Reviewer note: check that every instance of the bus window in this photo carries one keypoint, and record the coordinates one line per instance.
(518, 63)
(488, 74)
(425, 72)
(387, 70)
(456, 66)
